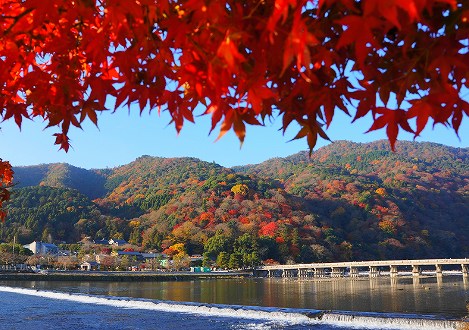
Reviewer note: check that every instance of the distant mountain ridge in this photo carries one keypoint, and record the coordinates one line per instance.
(349, 201)
(61, 175)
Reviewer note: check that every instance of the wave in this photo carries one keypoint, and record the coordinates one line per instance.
(358, 320)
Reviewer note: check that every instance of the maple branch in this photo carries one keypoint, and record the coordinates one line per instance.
(254, 9)
(16, 19)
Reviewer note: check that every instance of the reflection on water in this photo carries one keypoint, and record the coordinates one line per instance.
(445, 295)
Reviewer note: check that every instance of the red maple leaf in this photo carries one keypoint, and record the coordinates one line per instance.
(392, 119)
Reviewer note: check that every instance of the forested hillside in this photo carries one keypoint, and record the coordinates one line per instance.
(90, 183)
(348, 201)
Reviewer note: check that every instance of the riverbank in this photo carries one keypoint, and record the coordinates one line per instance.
(119, 276)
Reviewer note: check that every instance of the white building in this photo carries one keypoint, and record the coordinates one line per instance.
(117, 242)
(42, 248)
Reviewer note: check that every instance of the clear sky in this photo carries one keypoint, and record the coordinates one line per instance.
(122, 137)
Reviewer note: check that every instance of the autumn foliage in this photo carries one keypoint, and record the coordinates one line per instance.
(239, 62)
(347, 201)
(6, 178)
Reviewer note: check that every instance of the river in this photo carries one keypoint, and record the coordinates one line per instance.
(245, 303)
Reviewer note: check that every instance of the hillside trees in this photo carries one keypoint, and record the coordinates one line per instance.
(46, 213)
(240, 63)
(317, 209)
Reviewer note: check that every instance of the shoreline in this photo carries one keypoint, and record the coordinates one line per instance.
(119, 276)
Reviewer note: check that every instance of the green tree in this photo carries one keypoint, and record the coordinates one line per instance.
(247, 247)
(236, 261)
(216, 244)
(206, 260)
(223, 260)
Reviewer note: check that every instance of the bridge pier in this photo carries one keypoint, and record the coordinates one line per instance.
(337, 272)
(465, 269)
(393, 272)
(319, 272)
(303, 272)
(416, 271)
(288, 273)
(438, 269)
(354, 272)
(374, 271)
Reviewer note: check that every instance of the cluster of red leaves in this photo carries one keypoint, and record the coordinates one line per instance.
(240, 62)
(6, 179)
(270, 229)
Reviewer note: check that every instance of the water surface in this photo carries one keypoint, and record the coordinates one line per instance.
(428, 298)
(445, 296)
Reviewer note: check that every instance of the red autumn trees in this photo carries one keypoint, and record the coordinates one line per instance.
(6, 179)
(238, 61)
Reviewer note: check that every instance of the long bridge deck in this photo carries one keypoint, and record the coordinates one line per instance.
(354, 268)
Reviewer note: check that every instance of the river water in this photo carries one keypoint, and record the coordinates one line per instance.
(254, 303)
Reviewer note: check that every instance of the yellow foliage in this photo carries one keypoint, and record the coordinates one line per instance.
(240, 189)
(387, 226)
(381, 191)
(179, 247)
(134, 223)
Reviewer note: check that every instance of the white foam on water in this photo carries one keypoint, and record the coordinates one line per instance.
(169, 306)
(389, 322)
(272, 316)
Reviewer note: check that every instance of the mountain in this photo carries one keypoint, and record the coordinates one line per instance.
(348, 201)
(88, 182)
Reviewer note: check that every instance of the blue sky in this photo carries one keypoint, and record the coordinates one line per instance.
(122, 137)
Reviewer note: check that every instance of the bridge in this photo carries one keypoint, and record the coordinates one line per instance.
(371, 268)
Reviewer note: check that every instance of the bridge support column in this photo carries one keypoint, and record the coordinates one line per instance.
(353, 272)
(416, 270)
(287, 273)
(393, 271)
(337, 272)
(438, 269)
(319, 272)
(374, 271)
(465, 269)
